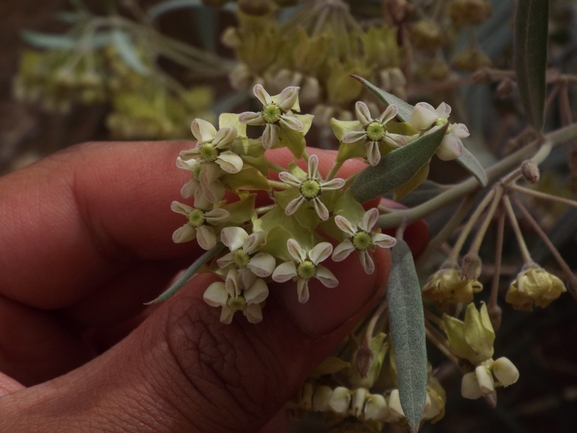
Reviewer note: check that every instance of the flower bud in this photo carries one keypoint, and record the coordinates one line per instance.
(471, 268)
(471, 60)
(426, 35)
(469, 12)
(534, 286)
(447, 287)
(530, 171)
(505, 88)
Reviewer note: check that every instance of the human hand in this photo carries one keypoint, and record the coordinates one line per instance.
(86, 240)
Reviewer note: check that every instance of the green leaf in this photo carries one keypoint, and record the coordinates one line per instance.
(128, 53)
(531, 37)
(396, 168)
(404, 109)
(408, 333)
(424, 192)
(413, 183)
(188, 274)
(249, 178)
(468, 161)
(65, 42)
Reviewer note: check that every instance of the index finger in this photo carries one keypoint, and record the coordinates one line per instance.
(73, 221)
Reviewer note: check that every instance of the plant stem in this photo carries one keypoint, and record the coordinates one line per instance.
(520, 240)
(483, 229)
(493, 174)
(543, 195)
(498, 258)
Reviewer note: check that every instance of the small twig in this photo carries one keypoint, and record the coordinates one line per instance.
(515, 224)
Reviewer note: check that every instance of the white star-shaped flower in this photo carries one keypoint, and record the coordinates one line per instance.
(276, 113)
(199, 224)
(361, 238)
(424, 116)
(374, 132)
(244, 251)
(310, 188)
(305, 267)
(239, 292)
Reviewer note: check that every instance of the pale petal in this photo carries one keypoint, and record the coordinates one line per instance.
(397, 140)
(354, 136)
(209, 173)
(320, 252)
(485, 379)
(224, 137)
(345, 225)
(288, 98)
(388, 114)
(460, 130)
(261, 94)
(376, 408)
(213, 192)
(262, 264)
(226, 315)
(189, 154)
(289, 179)
(294, 205)
(215, 295)
(217, 215)
(505, 371)
(253, 313)
(313, 167)
(253, 242)
(291, 122)
(326, 277)
(233, 237)
(451, 147)
(181, 208)
(232, 284)
(202, 130)
(203, 198)
(340, 399)
(383, 241)
(205, 237)
(395, 408)
(443, 110)
(251, 118)
(183, 234)
(470, 387)
(257, 292)
(229, 162)
(247, 277)
(270, 135)
(188, 164)
(367, 262)
(189, 188)
(303, 290)
(363, 113)
(284, 272)
(321, 398)
(225, 260)
(359, 395)
(373, 152)
(343, 250)
(296, 251)
(423, 116)
(369, 219)
(320, 209)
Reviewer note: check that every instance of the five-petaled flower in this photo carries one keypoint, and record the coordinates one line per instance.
(362, 238)
(242, 248)
(374, 132)
(275, 115)
(424, 116)
(199, 224)
(305, 267)
(239, 292)
(310, 187)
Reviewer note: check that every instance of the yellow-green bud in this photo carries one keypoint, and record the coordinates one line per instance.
(447, 287)
(426, 35)
(534, 286)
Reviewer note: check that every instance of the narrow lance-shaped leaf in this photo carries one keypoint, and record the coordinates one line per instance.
(188, 274)
(407, 322)
(531, 36)
(396, 168)
(127, 51)
(468, 161)
(65, 42)
(404, 109)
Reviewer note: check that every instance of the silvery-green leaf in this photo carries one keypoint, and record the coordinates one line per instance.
(172, 5)
(468, 161)
(414, 182)
(424, 192)
(531, 37)
(128, 53)
(404, 109)
(396, 168)
(65, 42)
(187, 275)
(408, 333)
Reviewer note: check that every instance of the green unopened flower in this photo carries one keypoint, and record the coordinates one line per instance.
(472, 339)
(534, 286)
(447, 287)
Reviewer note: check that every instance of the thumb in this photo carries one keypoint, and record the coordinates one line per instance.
(183, 370)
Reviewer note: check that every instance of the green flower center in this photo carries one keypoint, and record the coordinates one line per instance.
(196, 218)
(440, 121)
(271, 113)
(375, 131)
(310, 189)
(362, 241)
(196, 171)
(208, 152)
(241, 258)
(306, 270)
(236, 302)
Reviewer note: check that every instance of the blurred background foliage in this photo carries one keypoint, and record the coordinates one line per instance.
(143, 69)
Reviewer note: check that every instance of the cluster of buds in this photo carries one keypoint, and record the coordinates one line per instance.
(534, 286)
